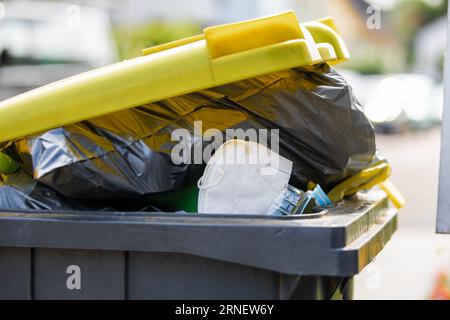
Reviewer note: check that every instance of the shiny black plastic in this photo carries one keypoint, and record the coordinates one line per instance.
(126, 155)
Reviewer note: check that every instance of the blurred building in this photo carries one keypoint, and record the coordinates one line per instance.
(430, 44)
(366, 45)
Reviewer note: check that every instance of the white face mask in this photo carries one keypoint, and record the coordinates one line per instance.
(242, 177)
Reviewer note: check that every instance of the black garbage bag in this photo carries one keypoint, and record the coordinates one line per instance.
(127, 154)
(20, 191)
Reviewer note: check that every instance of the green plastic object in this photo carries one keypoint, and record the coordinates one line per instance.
(7, 164)
(184, 199)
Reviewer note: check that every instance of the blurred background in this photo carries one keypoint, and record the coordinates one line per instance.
(397, 49)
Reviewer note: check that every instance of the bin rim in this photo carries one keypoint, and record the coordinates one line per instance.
(129, 214)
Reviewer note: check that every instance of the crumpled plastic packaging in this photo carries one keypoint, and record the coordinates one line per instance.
(126, 155)
(20, 191)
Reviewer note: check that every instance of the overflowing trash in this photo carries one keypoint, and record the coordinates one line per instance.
(306, 117)
(296, 202)
(126, 155)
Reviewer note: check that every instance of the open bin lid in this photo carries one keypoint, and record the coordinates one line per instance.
(443, 215)
(221, 55)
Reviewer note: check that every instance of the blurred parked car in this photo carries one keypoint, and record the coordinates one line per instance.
(394, 102)
(41, 42)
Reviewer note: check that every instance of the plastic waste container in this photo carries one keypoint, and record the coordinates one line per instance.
(145, 255)
(92, 255)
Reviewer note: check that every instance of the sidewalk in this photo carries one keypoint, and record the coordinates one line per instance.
(408, 266)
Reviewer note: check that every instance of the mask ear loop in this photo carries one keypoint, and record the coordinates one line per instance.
(267, 164)
(200, 181)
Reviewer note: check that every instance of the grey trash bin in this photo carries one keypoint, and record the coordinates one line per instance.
(103, 255)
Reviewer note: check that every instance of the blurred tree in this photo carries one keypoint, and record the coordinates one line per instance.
(132, 39)
(409, 16)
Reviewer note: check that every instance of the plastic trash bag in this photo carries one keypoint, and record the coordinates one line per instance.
(127, 154)
(20, 191)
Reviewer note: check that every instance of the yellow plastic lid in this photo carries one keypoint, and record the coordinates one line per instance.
(221, 55)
